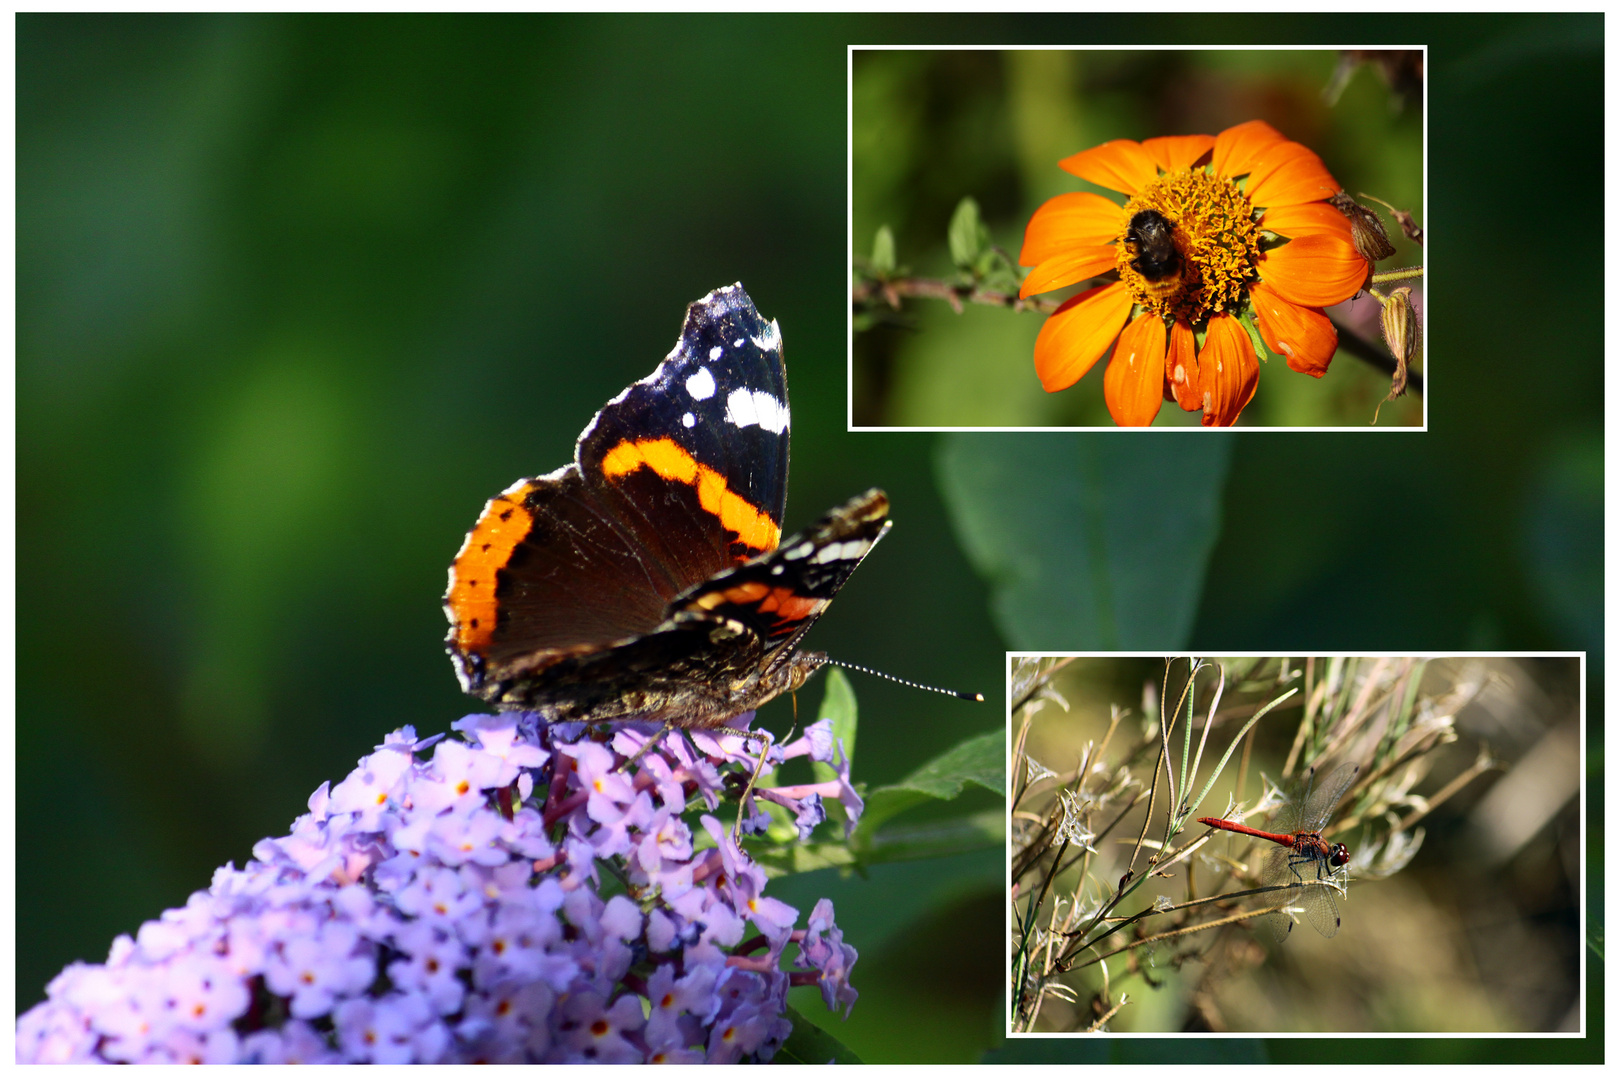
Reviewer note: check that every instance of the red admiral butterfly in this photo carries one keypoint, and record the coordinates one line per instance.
(646, 579)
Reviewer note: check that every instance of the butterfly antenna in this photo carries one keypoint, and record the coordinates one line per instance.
(962, 694)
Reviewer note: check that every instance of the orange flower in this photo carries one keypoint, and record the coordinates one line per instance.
(1222, 239)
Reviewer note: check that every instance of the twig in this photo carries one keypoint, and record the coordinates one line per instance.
(890, 291)
(1181, 931)
(1109, 1015)
(1483, 763)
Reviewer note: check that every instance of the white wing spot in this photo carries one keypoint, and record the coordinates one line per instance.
(745, 407)
(688, 420)
(700, 384)
(799, 552)
(770, 340)
(714, 353)
(849, 549)
(738, 343)
(740, 410)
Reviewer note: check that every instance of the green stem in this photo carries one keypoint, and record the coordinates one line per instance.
(1405, 273)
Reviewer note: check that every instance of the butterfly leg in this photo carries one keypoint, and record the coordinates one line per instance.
(759, 767)
(761, 735)
(646, 746)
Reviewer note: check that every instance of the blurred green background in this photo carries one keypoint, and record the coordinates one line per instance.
(295, 295)
(930, 127)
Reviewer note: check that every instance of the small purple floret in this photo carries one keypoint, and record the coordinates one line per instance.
(447, 902)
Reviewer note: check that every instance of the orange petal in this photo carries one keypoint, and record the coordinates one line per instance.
(1078, 332)
(1133, 385)
(1120, 165)
(1236, 148)
(1176, 152)
(1303, 336)
(1316, 270)
(1068, 268)
(1230, 369)
(1306, 218)
(1181, 369)
(1080, 218)
(1286, 173)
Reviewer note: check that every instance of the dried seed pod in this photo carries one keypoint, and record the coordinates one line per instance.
(1400, 325)
(1366, 230)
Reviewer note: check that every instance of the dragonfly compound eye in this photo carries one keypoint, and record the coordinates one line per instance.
(1340, 856)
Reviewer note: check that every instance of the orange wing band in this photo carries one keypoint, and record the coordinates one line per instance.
(753, 527)
(787, 606)
(471, 603)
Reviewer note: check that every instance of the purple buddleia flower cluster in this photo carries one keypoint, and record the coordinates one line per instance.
(505, 897)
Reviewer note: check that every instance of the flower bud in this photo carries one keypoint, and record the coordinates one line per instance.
(1400, 326)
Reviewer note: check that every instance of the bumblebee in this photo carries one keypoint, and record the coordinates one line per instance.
(1150, 239)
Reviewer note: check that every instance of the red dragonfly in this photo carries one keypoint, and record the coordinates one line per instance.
(1310, 865)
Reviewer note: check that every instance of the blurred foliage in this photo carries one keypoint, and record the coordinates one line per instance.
(935, 127)
(296, 295)
(1101, 544)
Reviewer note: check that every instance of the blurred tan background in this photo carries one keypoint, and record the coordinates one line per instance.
(1478, 932)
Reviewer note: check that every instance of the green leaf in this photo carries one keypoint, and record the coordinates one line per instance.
(967, 235)
(889, 844)
(979, 760)
(936, 839)
(1088, 541)
(990, 264)
(883, 251)
(1246, 320)
(809, 1045)
(837, 705)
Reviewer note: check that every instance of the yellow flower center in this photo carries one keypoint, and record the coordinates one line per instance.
(1216, 241)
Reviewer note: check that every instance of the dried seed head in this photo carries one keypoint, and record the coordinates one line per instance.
(1366, 230)
(1400, 326)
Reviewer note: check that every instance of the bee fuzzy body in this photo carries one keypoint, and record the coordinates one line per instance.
(1150, 240)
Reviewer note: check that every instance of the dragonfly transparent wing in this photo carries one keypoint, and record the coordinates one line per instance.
(1311, 893)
